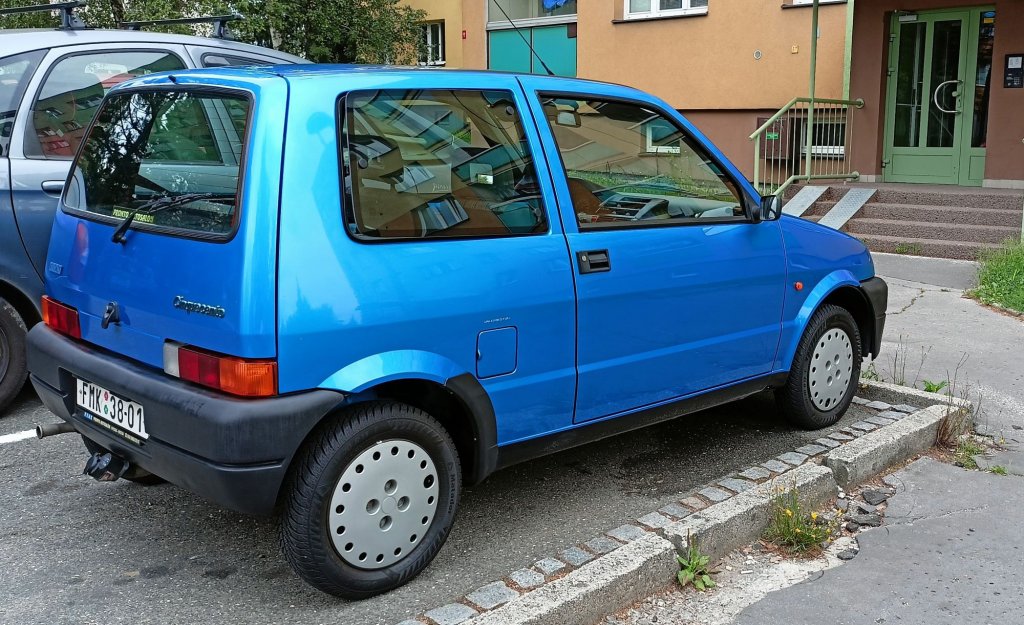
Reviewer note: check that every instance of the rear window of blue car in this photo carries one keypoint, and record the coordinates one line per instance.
(172, 157)
(435, 164)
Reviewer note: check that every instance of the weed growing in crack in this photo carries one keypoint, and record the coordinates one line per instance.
(998, 470)
(693, 568)
(934, 387)
(965, 452)
(797, 531)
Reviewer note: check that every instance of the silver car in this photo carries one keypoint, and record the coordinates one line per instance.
(51, 83)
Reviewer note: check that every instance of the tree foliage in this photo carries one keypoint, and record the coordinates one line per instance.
(323, 31)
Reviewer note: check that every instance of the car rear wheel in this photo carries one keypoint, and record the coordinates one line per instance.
(825, 370)
(370, 499)
(13, 369)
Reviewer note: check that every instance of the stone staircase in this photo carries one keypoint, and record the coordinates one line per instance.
(933, 221)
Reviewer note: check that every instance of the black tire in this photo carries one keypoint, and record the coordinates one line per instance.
(13, 368)
(795, 399)
(307, 497)
(135, 474)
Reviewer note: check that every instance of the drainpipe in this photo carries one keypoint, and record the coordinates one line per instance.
(848, 51)
(814, 67)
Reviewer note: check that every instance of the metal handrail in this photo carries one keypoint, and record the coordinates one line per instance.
(832, 164)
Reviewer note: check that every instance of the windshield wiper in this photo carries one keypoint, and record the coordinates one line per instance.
(153, 206)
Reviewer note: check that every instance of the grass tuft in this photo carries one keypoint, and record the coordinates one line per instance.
(1001, 277)
(795, 530)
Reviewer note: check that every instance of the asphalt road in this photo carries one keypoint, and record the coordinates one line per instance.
(77, 551)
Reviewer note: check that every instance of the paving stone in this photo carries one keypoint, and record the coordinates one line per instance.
(451, 614)
(776, 466)
(492, 595)
(694, 503)
(714, 494)
(847, 554)
(736, 485)
(878, 405)
(654, 520)
(852, 432)
(861, 507)
(874, 496)
(863, 426)
(526, 578)
(549, 566)
(627, 533)
(905, 408)
(755, 473)
(842, 505)
(840, 436)
(676, 510)
(411, 622)
(575, 556)
(895, 415)
(793, 458)
(827, 442)
(812, 450)
(860, 401)
(880, 421)
(870, 520)
(602, 544)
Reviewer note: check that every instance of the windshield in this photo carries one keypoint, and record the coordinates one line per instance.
(147, 148)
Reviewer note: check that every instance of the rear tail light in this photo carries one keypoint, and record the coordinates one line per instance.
(61, 317)
(238, 376)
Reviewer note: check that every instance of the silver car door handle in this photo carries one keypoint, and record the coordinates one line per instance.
(52, 187)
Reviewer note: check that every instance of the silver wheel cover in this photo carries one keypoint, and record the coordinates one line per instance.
(383, 504)
(830, 369)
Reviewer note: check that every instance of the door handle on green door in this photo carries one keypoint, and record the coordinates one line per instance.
(935, 96)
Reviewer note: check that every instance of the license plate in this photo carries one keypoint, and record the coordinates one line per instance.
(120, 416)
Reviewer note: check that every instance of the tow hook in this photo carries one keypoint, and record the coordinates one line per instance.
(105, 467)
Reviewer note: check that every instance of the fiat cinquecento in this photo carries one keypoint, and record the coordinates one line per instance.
(338, 294)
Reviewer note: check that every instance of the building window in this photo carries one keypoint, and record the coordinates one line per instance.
(646, 9)
(433, 44)
(529, 12)
(810, 2)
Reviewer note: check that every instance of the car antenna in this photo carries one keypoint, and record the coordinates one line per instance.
(525, 40)
(68, 19)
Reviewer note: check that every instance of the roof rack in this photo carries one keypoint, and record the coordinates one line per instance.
(68, 19)
(220, 23)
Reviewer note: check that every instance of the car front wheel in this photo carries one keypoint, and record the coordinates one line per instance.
(825, 370)
(370, 499)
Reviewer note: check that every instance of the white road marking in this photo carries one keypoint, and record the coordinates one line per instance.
(17, 436)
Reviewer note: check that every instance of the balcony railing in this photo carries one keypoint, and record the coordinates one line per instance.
(806, 140)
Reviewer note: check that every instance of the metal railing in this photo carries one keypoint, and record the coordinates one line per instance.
(808, 139)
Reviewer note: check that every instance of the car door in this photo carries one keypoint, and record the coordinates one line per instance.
(58, 107)
(678, 290)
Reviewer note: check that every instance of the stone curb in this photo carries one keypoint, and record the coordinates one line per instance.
(610, 577)
(876, 451)
(741, 519)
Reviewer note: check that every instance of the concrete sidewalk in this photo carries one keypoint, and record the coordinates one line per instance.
(931, 327)
(949, 552)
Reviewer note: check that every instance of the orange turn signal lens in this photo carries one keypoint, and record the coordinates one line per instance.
(238, 376)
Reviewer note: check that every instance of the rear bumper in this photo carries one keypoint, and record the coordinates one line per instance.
(877, 293)
(234, 452)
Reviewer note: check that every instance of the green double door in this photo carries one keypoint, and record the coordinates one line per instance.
(940, 76)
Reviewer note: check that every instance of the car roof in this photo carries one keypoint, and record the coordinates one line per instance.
(15, 41)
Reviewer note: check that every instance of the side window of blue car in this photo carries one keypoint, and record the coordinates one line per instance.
(437, 164)
(628, 165)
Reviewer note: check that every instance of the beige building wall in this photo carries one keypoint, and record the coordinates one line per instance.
(451, 12)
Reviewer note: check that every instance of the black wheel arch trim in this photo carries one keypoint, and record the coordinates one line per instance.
(474, 397)
(876, 293)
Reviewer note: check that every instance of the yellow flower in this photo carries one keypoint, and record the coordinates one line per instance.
(798, 530)
(789, 512)
(814, 516)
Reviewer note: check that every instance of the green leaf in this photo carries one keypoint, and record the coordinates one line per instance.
(698, 584)
(707, 581)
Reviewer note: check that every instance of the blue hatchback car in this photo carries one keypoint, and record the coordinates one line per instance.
(340, 293)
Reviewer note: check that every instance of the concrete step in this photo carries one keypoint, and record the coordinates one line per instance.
(832, 194)
(968, 233)
(935, 248)
(954, 197)
(943, 214)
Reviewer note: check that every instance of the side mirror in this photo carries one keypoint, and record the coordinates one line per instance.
(771, 208)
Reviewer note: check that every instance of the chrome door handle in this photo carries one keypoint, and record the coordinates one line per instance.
(935, 96)
(52, 187)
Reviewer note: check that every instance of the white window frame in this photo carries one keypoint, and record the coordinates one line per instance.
(428, 30)
(656, 10)
(497, 21)
(810, 2)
